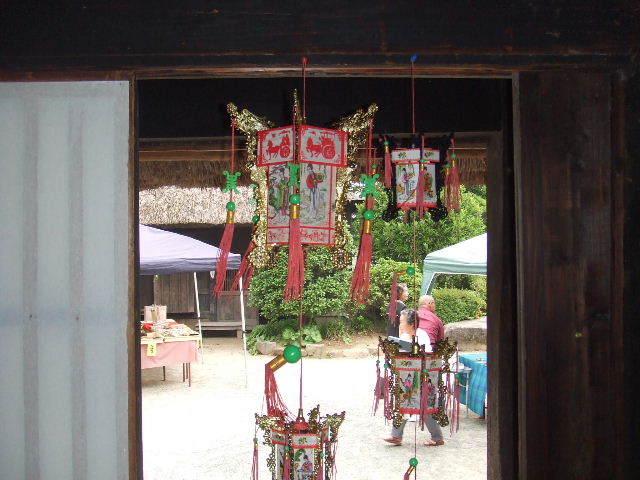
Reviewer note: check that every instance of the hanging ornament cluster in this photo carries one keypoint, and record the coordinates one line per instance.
(302, 173)
(416, 383)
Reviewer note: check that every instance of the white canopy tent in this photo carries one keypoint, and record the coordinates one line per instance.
(467, 257)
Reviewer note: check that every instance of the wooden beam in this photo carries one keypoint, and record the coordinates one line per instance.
(569, 360)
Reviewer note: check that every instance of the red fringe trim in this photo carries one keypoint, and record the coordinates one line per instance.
(362, 271)
(225, 248)
(245, 271)
(424, 402)
(295, 280)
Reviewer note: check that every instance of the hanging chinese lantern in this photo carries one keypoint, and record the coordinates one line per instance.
(301, 448)
(302, 173)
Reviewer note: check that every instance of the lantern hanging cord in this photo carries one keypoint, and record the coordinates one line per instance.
(300, 344)
(413, 94)
(304, 88)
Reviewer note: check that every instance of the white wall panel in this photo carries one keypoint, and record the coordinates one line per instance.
(64, 280)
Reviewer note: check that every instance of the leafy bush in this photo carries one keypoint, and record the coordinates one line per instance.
(454, 305)
(326, 289)
(335, 330)
(394, 239)
(361, 324)
(284, 331)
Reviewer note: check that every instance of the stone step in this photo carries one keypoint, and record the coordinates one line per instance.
(470, 334)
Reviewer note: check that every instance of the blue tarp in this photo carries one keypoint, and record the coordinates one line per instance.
(163, 252)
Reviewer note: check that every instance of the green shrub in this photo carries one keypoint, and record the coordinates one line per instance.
(361, 324)
(326, 289)
(335, 330)
(283, 331)
(454, 305)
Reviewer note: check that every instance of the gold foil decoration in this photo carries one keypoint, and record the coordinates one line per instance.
(250, 124)
(231, 216)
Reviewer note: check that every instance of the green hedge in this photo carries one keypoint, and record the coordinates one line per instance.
(454, 305)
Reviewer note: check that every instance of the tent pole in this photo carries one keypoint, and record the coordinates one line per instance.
(244, 332)
(195, 286)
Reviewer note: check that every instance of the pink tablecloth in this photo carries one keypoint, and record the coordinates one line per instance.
(170, 353)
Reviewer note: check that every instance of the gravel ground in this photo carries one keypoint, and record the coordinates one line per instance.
(206, 431)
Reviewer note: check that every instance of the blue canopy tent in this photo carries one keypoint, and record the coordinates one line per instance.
(163, 252)
(468, 257)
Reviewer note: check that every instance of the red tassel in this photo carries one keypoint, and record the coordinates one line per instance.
(388, 407)
(320, 469)
(410, 470)
(295, 280)
(452, 183)
(245, 271)
(275, 404)
(225, 248)
(387, 164)
(286, 474)
(420, 193)
(393, 303)
(362, 270)
(378, 389)
(424, 401)
(334, 451)
(255, 466)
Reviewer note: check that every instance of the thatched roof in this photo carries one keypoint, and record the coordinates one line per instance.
(192, 206)
(199, 162)
(181, 179)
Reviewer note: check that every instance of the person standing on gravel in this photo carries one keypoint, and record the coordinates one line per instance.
(402, 294)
